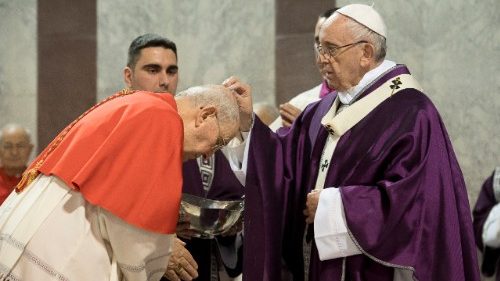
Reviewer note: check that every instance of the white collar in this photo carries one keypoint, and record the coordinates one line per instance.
(348, 96)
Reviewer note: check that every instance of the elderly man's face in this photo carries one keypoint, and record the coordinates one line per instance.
(204, 131)
(210, 136)
(339, 54)
(320, 65)
(15, 149)
(156, 70)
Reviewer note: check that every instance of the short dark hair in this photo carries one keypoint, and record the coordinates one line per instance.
(145, 41)
(328, 13)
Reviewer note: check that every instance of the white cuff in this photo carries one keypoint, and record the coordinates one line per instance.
(330, 229)
(277, 123)
(235, 155)
(491, 228)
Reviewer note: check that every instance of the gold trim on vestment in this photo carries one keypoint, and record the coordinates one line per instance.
(33, 171)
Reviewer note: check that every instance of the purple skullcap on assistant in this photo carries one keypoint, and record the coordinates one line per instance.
(366, 16)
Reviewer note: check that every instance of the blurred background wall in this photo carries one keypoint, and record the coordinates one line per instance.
(18, 63)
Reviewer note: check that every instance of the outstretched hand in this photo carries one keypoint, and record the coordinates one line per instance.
(243, 94)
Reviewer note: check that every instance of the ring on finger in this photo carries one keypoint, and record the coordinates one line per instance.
(178, 268)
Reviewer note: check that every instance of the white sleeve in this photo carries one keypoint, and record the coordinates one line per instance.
(491, 228)
(236, 154)
(330, 229)
(277, 123)
(137, 254)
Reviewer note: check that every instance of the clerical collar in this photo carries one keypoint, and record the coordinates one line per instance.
(348, 96)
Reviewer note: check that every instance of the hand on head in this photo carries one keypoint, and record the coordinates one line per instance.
(243, 94)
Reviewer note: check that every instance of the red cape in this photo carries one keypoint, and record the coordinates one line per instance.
(126, 157)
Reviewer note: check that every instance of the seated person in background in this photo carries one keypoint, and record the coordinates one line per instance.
(15, 149)
(486, 216)
(266, 112)
(101, 202)
(290, 111)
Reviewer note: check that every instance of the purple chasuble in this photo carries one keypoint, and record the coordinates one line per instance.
(485, 202)
(403, 192)
(225, 186)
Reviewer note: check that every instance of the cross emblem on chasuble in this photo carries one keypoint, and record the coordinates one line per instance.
(395, 84)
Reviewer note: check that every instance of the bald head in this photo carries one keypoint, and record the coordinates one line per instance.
(217, 95)
(15, 148)
(211, 118)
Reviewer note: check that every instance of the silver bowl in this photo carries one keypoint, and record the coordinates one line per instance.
(207, 217)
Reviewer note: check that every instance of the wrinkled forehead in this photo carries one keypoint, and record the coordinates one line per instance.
(334, 29)
(210, 89)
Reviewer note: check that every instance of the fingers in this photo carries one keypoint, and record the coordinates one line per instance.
(178, 242)
(311, 206)
(171, 275)
(235, 84)
(290, 109)
(285, 123)
(181, 265)
(289, 113)
(181, 273)
(179, 252)
(229, 81)
(243, 94)
(188, 270)
(189, 261)
(309, 215)
(184, 275)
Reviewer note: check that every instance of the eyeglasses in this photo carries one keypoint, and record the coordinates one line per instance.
(331, 52)
(220, 142)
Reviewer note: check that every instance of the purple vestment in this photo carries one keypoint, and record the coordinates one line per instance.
(485, 202)
(403, 193)
(225, 186)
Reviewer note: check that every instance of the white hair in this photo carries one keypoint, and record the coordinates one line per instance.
(215, 95)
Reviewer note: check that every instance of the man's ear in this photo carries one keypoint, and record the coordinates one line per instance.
(204, 113)
(368, 54)
(127, 76)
